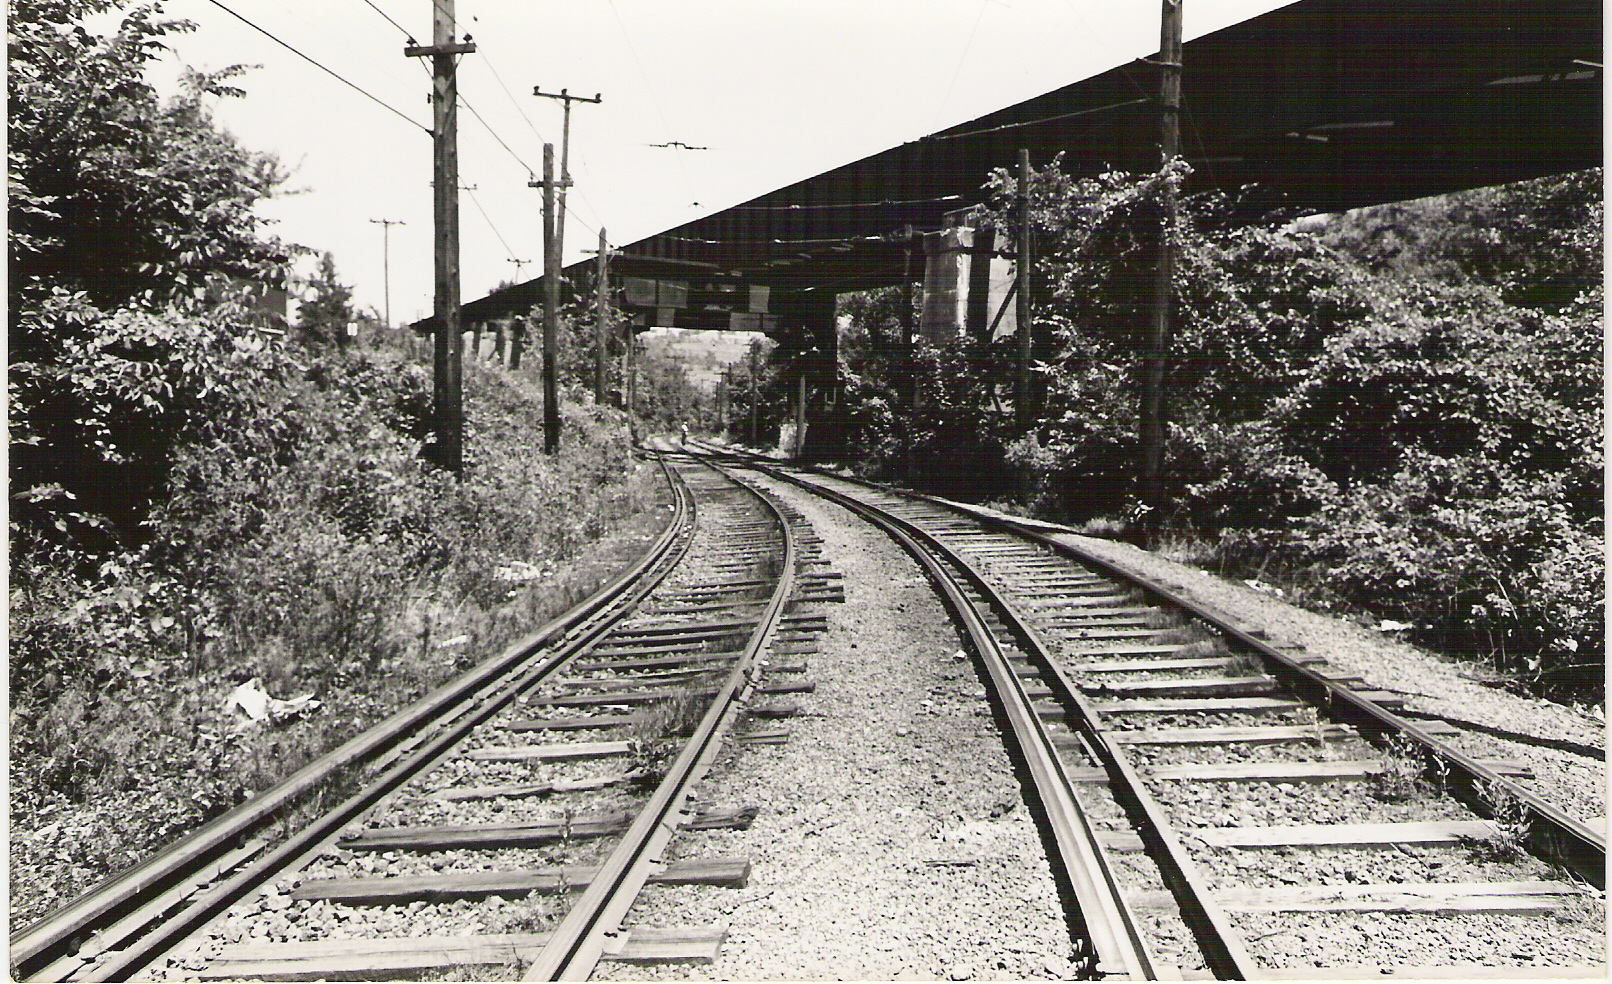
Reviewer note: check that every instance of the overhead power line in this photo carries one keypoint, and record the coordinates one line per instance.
(354, 86)
(477, 202)
(885, 201)
(389, 19)
(1044, 119)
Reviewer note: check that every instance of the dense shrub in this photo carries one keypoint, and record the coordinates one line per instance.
(1400, 408)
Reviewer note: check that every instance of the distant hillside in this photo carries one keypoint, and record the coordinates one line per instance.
(703, 353)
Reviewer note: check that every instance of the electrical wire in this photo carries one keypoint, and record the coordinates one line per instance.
(962, 58)
(649, 87)
(389, 19)
(488, 126)
(355, 87)
(477, 202)
(500, 80)
(1045, 119)
(802, 208)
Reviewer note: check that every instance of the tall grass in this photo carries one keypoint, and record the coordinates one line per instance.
(310, 549)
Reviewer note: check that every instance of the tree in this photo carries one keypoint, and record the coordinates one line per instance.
(324, 317)
(131, 234)
(115, 192)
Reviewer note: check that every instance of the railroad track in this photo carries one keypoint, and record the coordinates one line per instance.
(1215, 804)
(555, 774)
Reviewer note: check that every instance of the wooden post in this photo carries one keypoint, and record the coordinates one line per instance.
(1153, 367)
(602, 327)
(551, 309)
(629, 380)
(755, 403)
(386, 261)
(800, 412)
(1021, 382)
(447, 395)
(565, 155)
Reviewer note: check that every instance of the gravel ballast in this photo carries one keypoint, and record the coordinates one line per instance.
(893, 841)
(1432, 686)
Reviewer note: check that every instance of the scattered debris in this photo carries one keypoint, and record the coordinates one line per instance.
(521, 571)
(1264, 588)
(255, 702)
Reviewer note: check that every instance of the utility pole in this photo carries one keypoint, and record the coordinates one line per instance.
(447, 395)
(1153, 367)
(755, 404)
(800, 411)
(386, 261)
(723, 400)
(518, 265)
(564, 95)
(602, 313)
(551, 308)
(1021, 383)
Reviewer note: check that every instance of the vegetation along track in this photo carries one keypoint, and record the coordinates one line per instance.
(1221, 807)
(458, 813)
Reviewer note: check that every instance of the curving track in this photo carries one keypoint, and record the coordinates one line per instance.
(458, 809)
(1213, 806)
(1215, 803)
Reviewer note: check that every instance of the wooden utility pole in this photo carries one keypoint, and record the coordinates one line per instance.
(629, 368)
(447, 396)
(551, 308)
(1021, 382)
(755, 403)
(724, 399)
(386, 261)
(602, 326)
(565, 97)
(800, 412)
(1153, 366)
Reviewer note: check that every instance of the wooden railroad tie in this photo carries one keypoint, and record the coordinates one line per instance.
(1226, 705)
(664, 693)
(386, 959)
(1348, 834)
(1520, 898)
(561, 751)
(512, 835)
(454, 794)
(448, 886)
(1301, 771)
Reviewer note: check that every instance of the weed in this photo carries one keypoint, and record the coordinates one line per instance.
(1511, 820)
(678, 715)
(1402, 767)
(1244, 664)
(1309, 717)
(1203, 649)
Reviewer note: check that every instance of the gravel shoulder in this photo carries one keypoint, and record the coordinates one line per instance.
(893, 841)
(1432, 684)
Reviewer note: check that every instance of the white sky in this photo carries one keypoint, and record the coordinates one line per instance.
(778, 89)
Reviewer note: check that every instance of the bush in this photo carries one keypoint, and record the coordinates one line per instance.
(1479, 560)
(301, 541)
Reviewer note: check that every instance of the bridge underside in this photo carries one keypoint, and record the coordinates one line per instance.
(1322, 105)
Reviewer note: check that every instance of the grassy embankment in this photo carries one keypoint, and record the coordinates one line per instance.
(312, 550)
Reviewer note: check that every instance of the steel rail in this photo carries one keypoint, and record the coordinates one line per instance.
(1118, 946)
(1552, 833)
(586, 932)
(471, 697)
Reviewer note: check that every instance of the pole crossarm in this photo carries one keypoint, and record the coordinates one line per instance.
(566, 95)
(426, 50)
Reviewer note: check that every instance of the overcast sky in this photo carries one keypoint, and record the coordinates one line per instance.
(778, 90)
